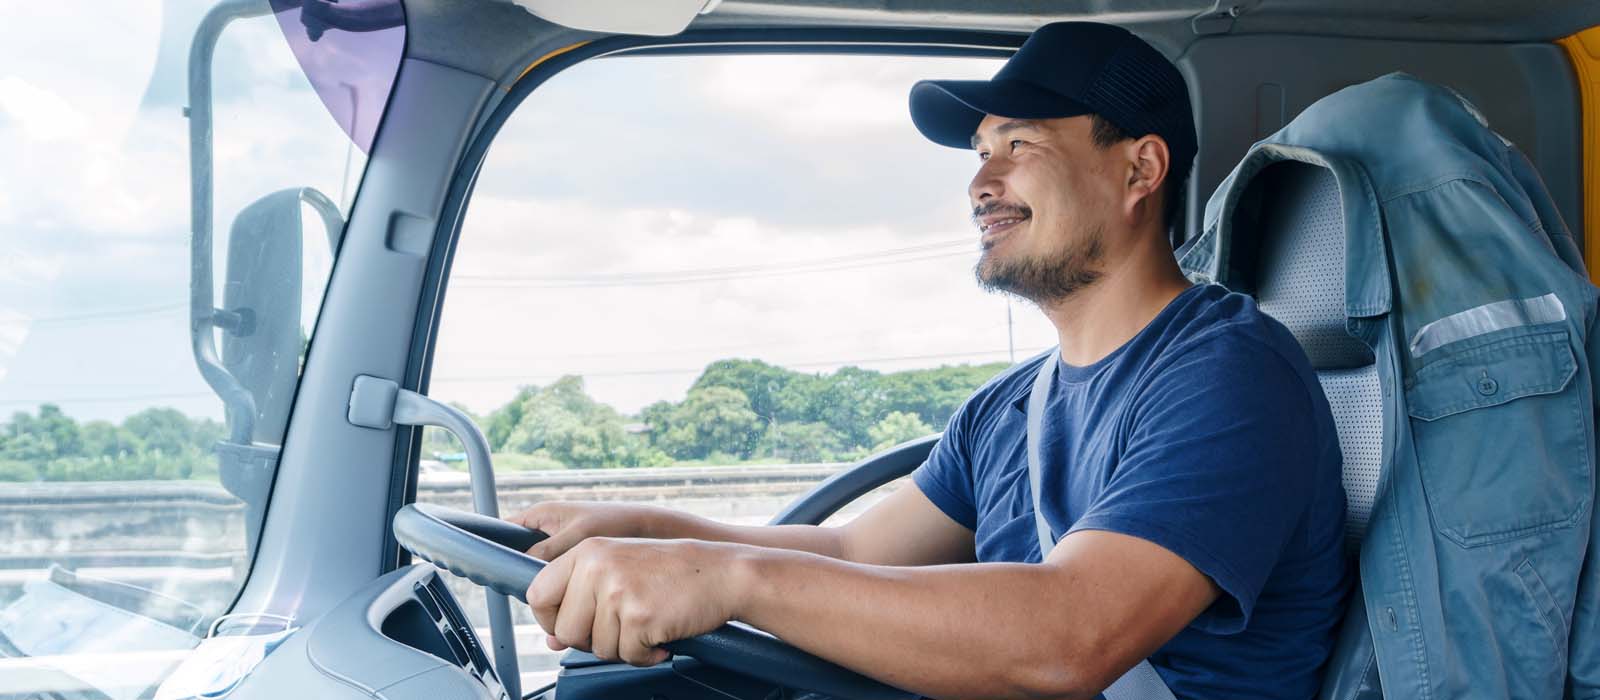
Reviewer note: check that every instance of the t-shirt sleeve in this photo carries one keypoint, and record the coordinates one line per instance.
(946, 477)
(1219, 468)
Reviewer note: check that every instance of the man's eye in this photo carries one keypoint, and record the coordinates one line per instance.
(1016, 142)
(983, 156)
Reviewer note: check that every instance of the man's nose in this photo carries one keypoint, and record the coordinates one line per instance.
(989, 183)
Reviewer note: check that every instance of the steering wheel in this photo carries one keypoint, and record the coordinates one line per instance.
(489, 552)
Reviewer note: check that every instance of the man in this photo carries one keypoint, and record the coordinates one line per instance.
(1189, 464)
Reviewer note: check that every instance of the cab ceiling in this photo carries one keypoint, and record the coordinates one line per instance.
(1443, 20)
(494, 38)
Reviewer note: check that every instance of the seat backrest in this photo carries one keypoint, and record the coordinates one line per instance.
(1289, 245)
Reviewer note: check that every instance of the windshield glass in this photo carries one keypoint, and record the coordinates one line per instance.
(152, 323)
(750, 272)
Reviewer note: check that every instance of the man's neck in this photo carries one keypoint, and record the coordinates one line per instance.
(1131, 292)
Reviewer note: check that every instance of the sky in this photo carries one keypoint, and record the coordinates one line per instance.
(636, 219)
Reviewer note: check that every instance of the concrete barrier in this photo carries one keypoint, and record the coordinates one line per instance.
(186, 539)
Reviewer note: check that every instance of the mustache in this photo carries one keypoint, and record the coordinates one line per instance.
(1000, 208)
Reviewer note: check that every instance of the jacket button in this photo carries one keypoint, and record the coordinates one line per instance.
(1487, 385)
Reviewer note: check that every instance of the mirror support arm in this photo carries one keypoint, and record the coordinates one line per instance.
(203, 314)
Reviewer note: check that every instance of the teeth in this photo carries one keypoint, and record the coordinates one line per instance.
(1001, 222)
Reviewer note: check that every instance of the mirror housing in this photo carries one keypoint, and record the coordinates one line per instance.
(260, 313)
(261, 304)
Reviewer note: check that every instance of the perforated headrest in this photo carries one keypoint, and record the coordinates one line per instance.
(1290, 238)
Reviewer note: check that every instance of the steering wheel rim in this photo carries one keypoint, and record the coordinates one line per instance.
(489, 552)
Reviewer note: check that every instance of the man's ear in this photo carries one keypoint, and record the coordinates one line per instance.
(1148, 161)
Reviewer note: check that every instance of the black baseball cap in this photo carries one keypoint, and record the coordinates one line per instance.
(1068, 69)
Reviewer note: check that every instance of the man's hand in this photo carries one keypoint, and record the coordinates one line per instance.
(570, 522)
(621, 598)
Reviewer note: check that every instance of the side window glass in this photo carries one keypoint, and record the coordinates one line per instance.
(153, 323)
(709, 283)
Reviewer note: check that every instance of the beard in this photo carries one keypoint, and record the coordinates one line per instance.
(1045, 279)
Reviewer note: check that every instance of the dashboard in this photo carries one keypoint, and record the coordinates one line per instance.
(402, 637)
(405, 637)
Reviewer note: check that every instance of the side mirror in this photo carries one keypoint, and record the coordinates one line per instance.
(259, 318)
(259, 321)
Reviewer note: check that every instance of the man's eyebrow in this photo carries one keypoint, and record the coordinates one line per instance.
(1008, 126)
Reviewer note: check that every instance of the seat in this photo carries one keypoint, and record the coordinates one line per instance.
(1289, 253)
(1289, 239)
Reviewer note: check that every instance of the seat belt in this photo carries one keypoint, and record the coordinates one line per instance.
(1140, 682)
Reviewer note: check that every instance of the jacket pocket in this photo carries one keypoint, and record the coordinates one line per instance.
(1499, 435)
(1549, 614)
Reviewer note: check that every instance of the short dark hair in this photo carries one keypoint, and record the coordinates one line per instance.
(1106, 134)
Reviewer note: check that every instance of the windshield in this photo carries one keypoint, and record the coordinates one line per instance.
(166, 254)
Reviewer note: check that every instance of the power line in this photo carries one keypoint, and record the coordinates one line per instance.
(539, 283)
(735, 269)
(115, 314)
(498, 378)
(106, 399)
(667, 371)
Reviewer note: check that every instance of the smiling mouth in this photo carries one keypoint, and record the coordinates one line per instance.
(993, 229)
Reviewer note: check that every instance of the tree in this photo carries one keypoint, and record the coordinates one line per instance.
(761, 383)
(50, 435)
(934, 394)
(563, 422)
(802, 442)
(895, 428)
(102, 438)
(848, 401)
(166, 430)
(711, 420)
(503, 420)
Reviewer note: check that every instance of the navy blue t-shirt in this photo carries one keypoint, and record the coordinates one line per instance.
(1207, 434)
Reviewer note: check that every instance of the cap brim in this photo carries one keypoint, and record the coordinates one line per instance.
(948, 111)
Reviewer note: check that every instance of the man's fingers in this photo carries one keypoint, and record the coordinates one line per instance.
(575, 622)
(633, 651)
(607, 631)
(557, 544)
(633, 644)
(547, 591)
(535, 518)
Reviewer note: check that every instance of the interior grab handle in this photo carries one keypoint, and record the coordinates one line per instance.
(381, 404)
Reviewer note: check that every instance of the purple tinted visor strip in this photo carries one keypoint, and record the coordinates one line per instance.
(350, 52)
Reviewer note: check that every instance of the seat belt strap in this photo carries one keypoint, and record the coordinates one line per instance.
(1140, 682)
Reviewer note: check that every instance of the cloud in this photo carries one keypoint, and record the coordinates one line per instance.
(829, 97)
(748, 224)
(712, 134)
(640, 300)
(95, 207)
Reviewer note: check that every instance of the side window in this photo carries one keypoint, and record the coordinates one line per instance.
(145, 376)
(710, 282)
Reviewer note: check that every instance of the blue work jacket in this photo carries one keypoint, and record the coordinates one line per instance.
(1479, 572)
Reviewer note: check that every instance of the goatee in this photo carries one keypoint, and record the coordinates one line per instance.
(1047, 279)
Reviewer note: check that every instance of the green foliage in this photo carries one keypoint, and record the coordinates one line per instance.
(562, 423)
(802, 442)
(895, 428)
(711, 420)
(157, 443)
(737, 411)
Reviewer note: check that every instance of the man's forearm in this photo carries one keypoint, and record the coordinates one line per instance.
(969, 630)
(824, 541)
